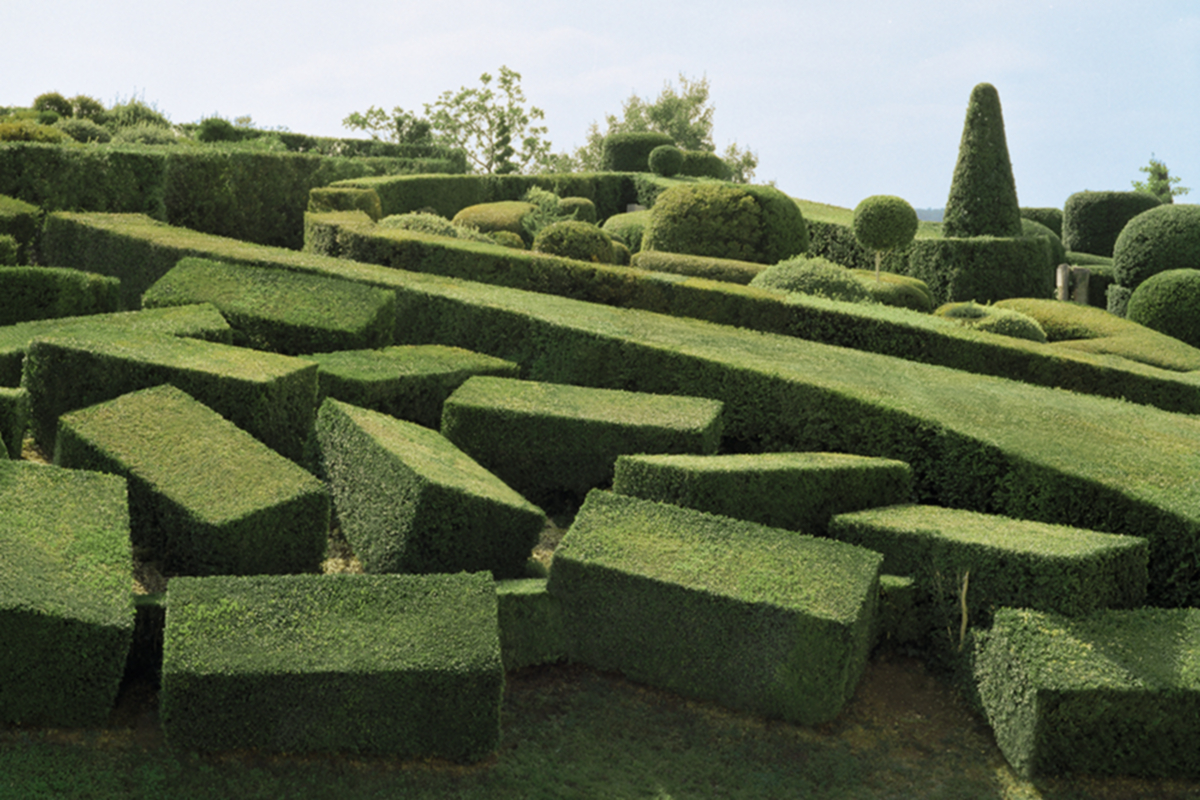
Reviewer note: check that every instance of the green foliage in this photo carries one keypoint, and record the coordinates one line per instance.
(983, 193)
(543, 212)
(9, 251)
(84, 130)
(901, 291)
(23, 222)
(993, 319)
(14, 420)
(1058, 253)
(24, 130)
(982, 268)
(86, 107)
(716, 269)
(572, 239)
(884, 222)
(32, 293)
(628, 227)
(1052, 218)
(217, 129)
(53, 101)
(134, 112)
(145, 133)
(1092, 221)
(703, 164)
(503, 215)
(434, 225)
(1163, 238)
(814, 276)
(323, 199)
(401, 127)
(1169, 302)
(577, 208)
(630, 151)
(508, 239)
(665, 160)
(1159, 182)
(531, 626)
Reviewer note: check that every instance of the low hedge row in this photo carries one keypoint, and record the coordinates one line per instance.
(23, 222)
(531, 624)
(32, 293)
(1092, 221)
(716, 269)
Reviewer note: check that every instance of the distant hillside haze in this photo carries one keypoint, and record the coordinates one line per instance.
(930, 214)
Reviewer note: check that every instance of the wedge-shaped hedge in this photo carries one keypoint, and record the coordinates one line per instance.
(405, 381)
(545, 438)
(1117, 692)
(752, 617)
(273, 397)
(794, 491)
(196, 322)
(284, 312)
(399, 664)
(66, 601)
(14, 419)
(32, 293)
(1001, 561)
(205, 497)
(408, 500)
(531, 626)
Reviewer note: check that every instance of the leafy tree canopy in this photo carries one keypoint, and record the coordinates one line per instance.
(1159, 182)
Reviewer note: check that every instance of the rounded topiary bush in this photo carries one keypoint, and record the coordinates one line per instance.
(884, 222)
(82, 129)
(1052, 218)
(504, 215)
(666, 160)
(215, 129)
(901, 291)
(703, 164)
(1169, 303)
(86, 107)
(577, 240)
(628, 227)
(814, 276)
(748, 223)
(53, 101)
(621, 254)
(508, 239)
(26, 130)
(433, 225)
(1164, 238)
(630, 152)
(1002, 321)
(145, 133)
(1092, 221)
(577, 208)
(1058, 253)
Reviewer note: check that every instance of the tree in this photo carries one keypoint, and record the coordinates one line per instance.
(983, 193)
(685, 115)
(402, 127)
(884, 222)
(1158, 182)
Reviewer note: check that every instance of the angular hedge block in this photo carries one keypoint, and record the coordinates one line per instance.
(531, 625)
(280, 310)
(196, 322)
(32, 293)
(273, 397)
(205, 496)
(982, 268)
(794, 491)
(14, 419)
(1117, 692)
(545, 438)
(22, 221)
(1011, 562)
(400, 664)
(756, 618)
(406, 381)
(408, 500)
(66, 594)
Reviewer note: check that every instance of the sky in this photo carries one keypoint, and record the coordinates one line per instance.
(839, 100)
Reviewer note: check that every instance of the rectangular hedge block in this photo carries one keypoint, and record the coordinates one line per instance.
(32, 293)
(795, 491)
(1117, 692)
(1010, 562)
(406, 381)
(196, 322)
(545, 438)
(272, 397)
(204, 496)
(400, 664)
(66, 594)
(531, 626)
(408, 500)
(752, 617)
(22, 221)
(14, 419)
(280, 310)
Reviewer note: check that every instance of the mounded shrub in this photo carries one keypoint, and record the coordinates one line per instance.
(666, 160)
(1052, 218)
(8, 251)
(900, 291)
(992, 319)
(217, 129)
(53, 101)
(86, 107)
(1058, 253)
(84, 130)
(1092, 221)
(344, 198)
(702, 164)
(577, 240)
(621, 254)
(508, 239)
(580, 209)
(630, 152)
(135, 112)
(504, 215)
(1163, 238)
(26, 130)
(814, 276)
(715, 269)
(1169, 303)
(983, 193)
(628, 227)
(145, 133)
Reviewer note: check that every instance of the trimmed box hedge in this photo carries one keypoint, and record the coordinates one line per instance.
(531, 625)
(195, 322)
(66, 594)
(404, 381)
(794, 491)
(22, 221)
(983, 268)
(1117, 692)
(33, 293)
(755, 618)
(408, 500)
(717, 269)
(543, 439)
(281, 311)
(407, 665)
(14, 419)
(205, 497)
(270, 396)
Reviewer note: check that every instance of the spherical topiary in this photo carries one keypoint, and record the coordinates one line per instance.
(53, 101)
(577, 240)
(1165, 237)
(814, 276)
(215, 129)
(508, 239)
(503, 215)
(666, 160)
(1092, 221)
(1169, 302)
(747, 223)
(82, 129)
(884, 222)
(1002, 321)
(577, 208)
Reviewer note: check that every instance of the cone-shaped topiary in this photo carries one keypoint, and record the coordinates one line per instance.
(884, 222)
(983, 194)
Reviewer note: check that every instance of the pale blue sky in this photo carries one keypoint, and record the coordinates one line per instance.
(840, 100)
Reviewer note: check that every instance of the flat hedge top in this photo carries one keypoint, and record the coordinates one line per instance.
(766, 462)
(355, 624)
(64, 544)
(390, 363)
(720, 555)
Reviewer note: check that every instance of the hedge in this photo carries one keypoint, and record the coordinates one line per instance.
(983, 193)
(405, 665)
(1165, 237)
(1092, 221)
(33, 293)
(14, 419)
(754, 618)
(23, 222)
(531, 624)
(982, 268)
(630, 152)
(716, 269)
(66, 608)
(1052, 218)
(205, 497)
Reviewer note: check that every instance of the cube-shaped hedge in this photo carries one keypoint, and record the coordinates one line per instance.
(1002, 561)
(1116, 692)
(32, 293)
(796, 491)
(281, 310)
(408, 500)
(400, 664)
(406, 381)
(204, 496)
(66, 594)
(531, 627)
(271, 396)
(546, 438)
(757, 618)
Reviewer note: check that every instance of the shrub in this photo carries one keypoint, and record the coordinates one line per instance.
(628, 227)
(508, 239)
(25, 130)
(544, 211)
(83, 130)
(577, 208)
(345, 198)
(86, 107)
(53, 101)
(216, 129)
(1165, 237)
(900, 291)
(992, 319)
(23, 222)
(1169, 303)
(1058, 253)
(630, 152)
(1092, 221)
(982, 268)
(814, 276)
(433, 225)
(578, 240)
(715, 269)
(32, 293)
(1052, 218)
(135, 112)
(8, 251)
(983, 193)
(145, 133)
(702, 164)
(666, 160)
(621, 254)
